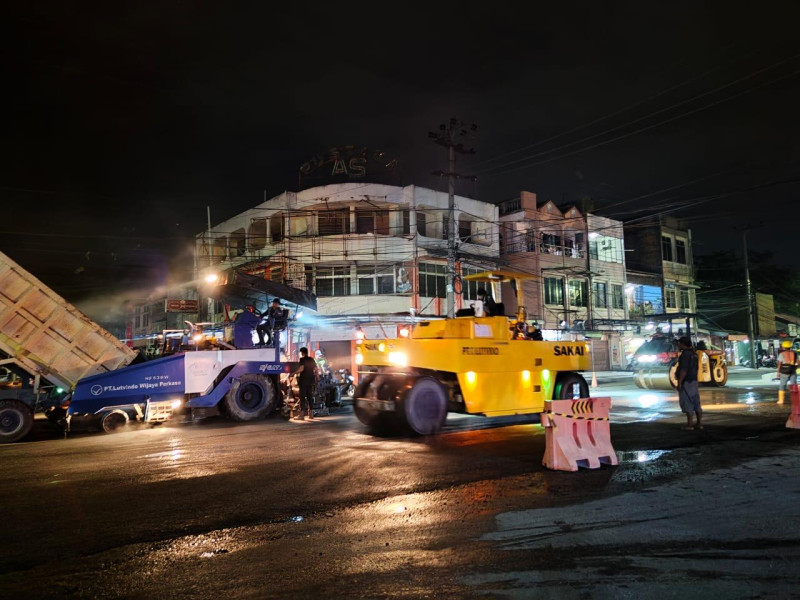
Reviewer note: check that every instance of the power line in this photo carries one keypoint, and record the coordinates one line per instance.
(641, 129)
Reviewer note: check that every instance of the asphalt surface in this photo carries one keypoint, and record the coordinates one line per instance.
(279, 509)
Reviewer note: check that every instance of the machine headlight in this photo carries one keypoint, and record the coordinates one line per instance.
(398, 359)
(176, 404)
(359, 359)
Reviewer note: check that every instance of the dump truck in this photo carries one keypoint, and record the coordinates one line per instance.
(85, 377)
(46, 347)
(465, 364)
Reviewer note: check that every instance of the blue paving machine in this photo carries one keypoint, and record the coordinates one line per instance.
(206, 379)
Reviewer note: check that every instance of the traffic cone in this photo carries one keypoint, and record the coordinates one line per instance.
(781, 396)
(594, 379)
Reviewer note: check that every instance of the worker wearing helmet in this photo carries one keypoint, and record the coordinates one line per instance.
(322, 361)
(787, 369)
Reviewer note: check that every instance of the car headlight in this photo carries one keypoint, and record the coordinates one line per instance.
(647, 358)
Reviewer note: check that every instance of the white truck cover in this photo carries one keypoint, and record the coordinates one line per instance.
(47, 335)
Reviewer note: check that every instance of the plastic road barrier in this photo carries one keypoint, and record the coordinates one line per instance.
(793, 422)
(578, 434)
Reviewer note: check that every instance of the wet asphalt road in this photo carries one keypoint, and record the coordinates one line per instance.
(322, 509)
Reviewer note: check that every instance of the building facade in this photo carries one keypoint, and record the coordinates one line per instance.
(365, 250)
(661, 274)
(578, 263)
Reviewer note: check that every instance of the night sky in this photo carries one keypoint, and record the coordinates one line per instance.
(124, 120)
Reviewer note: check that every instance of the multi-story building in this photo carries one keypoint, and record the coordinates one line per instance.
(365, 250)
(149, 317)
(578, 260)
(660, 267)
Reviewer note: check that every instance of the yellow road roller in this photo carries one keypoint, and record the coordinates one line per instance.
(467, 365)
(656, 363)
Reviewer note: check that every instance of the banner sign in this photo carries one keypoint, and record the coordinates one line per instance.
(181, 306)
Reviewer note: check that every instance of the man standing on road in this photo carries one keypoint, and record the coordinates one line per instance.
(307, 377)
(688, 394)
(787, 369)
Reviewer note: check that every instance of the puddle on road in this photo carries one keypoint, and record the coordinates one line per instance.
(641, 456)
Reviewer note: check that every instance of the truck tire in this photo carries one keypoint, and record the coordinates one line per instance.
(16, 420)
(251, 397)
(570, 386)
(114, 421)
(423, 408)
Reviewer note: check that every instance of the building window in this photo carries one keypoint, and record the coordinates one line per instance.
(406, 221)
(432, 280)
(666, 248)
(554, 291)
(551, 243)
(680, 251)
(238, 243)
(469, 289)
(276, 227)
(617, 296)
(580, 245)
(276, 274)
(577, 292)
(220, 249)
(465, 230)
(606, 249)
(257, 234)
(333, 222)
(333, 281)
(669, 298)
(686, 299)
(422, 224)
(372, 221)
(599, 298)
(375, 280)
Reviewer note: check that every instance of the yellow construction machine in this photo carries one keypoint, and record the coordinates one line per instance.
(466, 364)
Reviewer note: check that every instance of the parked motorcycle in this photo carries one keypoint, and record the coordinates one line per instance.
(769, 362)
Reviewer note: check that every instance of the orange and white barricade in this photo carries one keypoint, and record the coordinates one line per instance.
(578, 434)
(793, 422)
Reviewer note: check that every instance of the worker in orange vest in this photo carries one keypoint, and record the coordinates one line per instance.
(787, 369)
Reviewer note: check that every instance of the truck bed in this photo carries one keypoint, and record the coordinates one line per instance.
(48, 335)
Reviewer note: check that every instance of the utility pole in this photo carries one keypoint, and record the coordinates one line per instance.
(750, 329)
(447, 136)
(589, 290)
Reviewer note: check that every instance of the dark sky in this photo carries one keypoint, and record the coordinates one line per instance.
(124, 120)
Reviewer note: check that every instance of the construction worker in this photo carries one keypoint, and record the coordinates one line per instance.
(488, 304)
(307, 373)
(787, 369)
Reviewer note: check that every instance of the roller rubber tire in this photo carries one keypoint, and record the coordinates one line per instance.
(673, 369)
(251, 397)
(367, 417)
(722, 369)
(423, 408)
(378, 422)
(565, 387)
(16, 420)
